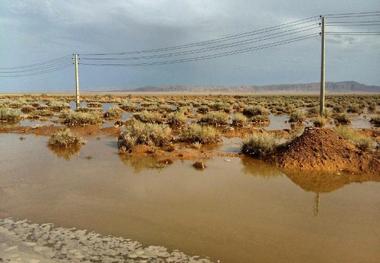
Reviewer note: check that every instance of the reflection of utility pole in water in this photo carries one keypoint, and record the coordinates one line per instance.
(316, 204)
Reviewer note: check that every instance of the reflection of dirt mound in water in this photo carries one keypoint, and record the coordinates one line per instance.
(324, 150)
(65, 153)
(327, 182)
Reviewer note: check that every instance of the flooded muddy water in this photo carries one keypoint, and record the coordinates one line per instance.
(236, 210)
(278, 122)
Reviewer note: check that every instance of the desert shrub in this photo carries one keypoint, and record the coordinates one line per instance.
(9, 115)
(129, 106)
(27, 109)
(260, 145)
(342, 119)
(297, 116)
(361, 141)
(177, 119)
(215, 118)
(137, 132)
(338, 109)
(203, 109)
(372, 107)
(94, 104)
(375, 121)
(259, 119)
(319, 121)
(113, 113)
(254, 111)
(149, 117)
(64, 138)
(239, 120)
(58, 105)
(220, 106)
(196, 133)
(73, 118)
(42, 113)
(313, 111)
(167, 108)
(354, 108)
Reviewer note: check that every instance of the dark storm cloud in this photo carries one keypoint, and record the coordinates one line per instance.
(35, 30)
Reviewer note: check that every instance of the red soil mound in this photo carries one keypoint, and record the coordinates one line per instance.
(324, 150)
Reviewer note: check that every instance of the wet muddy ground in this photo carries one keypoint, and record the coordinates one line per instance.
(236, 210)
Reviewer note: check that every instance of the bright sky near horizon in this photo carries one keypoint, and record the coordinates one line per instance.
(38, 30)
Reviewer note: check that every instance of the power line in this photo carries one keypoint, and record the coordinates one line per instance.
(37, 73)
(353, 14)
(358, 24)
(31, 70)
(354, 22)
(353, 33)
(206, 57)
(212, 41)
(50, 61)
(208, 49)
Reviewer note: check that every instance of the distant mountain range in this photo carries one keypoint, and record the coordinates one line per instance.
(332, 87)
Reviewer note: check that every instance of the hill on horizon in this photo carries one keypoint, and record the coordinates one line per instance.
(332, 87)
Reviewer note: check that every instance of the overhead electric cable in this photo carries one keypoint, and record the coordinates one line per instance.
(212, 56)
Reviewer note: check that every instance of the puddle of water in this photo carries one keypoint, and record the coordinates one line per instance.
(236, 211)
(278, 122)
(73, 105)
(231, 145)
(359, 122)
(107, 106)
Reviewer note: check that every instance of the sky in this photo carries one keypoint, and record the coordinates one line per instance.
(37, 30)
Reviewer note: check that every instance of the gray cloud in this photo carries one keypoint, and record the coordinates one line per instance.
(35, 30)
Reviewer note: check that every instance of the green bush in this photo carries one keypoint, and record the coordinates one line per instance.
(254, 111)
(64, 138)
(74, 118)
(260, 145)
(58, 105)
(375, 121)
(177, 119)
(297, 116)
(113, 113)
(215, 118)
(342, 119)
(9, 115)
(239, 120)
(319, 121)
(149, 117)
(137, 132)
(361, 141)
(196, 133)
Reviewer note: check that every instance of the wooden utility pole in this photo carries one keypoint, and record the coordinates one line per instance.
(76, 63)
(323, 69)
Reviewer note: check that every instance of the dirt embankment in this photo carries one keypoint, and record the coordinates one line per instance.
(324, 150)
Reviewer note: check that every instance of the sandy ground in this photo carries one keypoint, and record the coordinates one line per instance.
(22, 241)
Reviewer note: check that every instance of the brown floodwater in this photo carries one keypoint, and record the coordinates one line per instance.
(236, 210)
